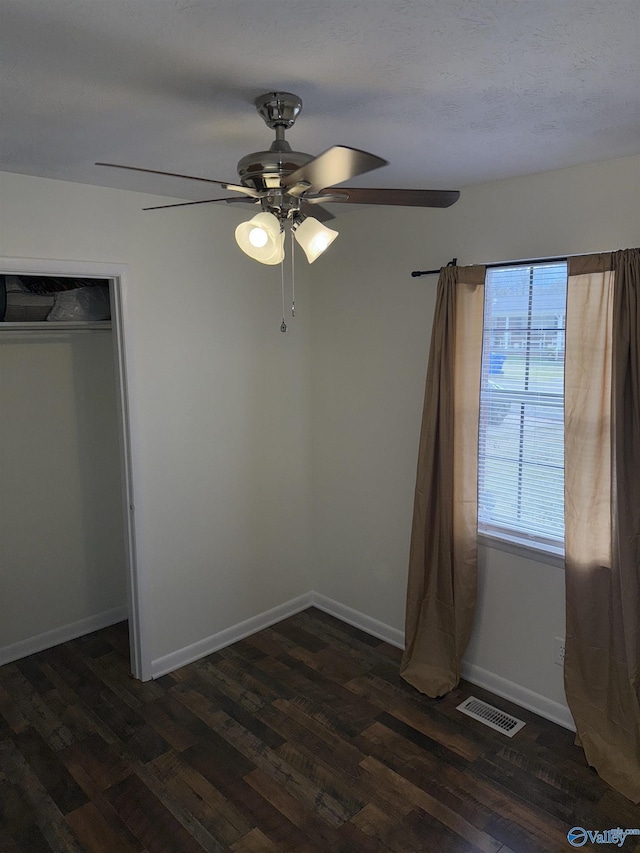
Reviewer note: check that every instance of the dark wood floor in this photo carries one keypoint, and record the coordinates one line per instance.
(300, 738)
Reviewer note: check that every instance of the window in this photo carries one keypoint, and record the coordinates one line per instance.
(521, 438)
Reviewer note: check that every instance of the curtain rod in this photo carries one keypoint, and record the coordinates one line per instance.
(454, 261)
(416, 273)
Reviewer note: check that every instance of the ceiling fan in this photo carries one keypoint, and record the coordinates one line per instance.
(292, 187)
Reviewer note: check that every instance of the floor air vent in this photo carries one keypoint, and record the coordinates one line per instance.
(490, 716)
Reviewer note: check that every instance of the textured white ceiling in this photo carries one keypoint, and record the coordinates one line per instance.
(451, 92)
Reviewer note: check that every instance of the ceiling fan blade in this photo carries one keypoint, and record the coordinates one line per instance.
(317, 211)
(327, 197)
(238, 199)
(404, 198)
(204, 201)
(333, 166)
(223, 184)
(299, 189)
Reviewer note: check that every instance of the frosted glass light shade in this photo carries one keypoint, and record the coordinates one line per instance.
(261, 238)
(314, 237)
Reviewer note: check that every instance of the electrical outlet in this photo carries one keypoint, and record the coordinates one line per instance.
(558, 651)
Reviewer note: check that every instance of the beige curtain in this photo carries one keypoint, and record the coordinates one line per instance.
(602, 513)
(441, 592)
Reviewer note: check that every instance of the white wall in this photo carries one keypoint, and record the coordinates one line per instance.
(219, 401)
(371, 326)
(62, 547)
(267, 464)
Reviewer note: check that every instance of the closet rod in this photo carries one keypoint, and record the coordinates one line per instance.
(56, 328)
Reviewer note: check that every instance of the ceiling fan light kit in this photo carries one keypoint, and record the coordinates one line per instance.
(290, 185)
(313, 237)
(262, 238)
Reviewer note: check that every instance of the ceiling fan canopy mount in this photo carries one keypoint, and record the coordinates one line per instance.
(279, 109)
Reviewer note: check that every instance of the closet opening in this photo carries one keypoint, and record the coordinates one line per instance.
(66, 491)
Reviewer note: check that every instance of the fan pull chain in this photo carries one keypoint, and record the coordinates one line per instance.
(283, 325)
(293, 277)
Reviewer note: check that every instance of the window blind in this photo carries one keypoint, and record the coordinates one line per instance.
(521, 437)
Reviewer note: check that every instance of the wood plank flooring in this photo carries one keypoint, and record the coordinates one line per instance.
(301, 738)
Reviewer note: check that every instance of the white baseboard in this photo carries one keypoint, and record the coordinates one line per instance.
(516, 693)
(359, 620)
(541, 705)
(31, 645)
(181, 657)
(547, 708)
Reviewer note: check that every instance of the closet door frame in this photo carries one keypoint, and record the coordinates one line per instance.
(117, 275)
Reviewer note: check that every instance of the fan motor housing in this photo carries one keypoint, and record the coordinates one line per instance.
(263, 169)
